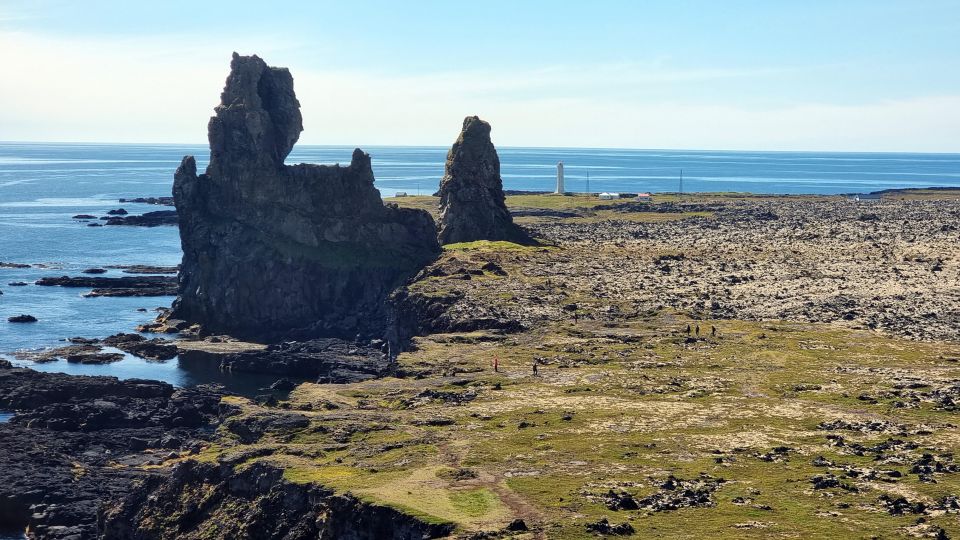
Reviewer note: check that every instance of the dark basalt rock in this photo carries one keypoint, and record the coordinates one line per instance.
(149, 219)
(255, 502)
(146, 269)
(472, 203)
(161, 201)
(22, 319)
(59, 453)
(94, 358)
(137, 345)
(326, 359)
(126, 282)
(271, 250)
(90, 350)
(119, 286)
(605, 528)
(117, 212)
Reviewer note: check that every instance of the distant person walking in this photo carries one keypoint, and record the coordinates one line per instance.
(698, 330)
(713, 331)
(689, 329)
(535, 371)
(496, 363)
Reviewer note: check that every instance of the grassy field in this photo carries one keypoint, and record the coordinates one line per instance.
(676, 427)
(623, 409)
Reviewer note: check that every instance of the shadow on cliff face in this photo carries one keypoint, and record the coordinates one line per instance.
(253, 502)
(273, 251)
(14, 515)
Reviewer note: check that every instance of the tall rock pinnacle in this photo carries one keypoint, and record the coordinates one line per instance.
(272, 250)
(472, 203)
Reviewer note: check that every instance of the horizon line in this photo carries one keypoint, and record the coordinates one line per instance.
(616, 148)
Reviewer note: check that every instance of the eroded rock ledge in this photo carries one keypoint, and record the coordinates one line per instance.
(255, 502)
(76, 442)
(275, 251)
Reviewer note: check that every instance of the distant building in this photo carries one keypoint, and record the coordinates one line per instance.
(609, 196)
(644, 197)
(401, 194)
(866, 197)
(560, 190)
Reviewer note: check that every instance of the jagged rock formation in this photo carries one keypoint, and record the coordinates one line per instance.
(472, 203)
(274, 251)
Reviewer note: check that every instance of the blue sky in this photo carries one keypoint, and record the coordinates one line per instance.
(774, 75)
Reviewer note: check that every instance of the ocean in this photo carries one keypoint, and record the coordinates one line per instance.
(43, 185)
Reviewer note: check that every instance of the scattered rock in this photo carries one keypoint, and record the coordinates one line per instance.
(620, 500)
(676, 493)
(22, 319)
(517, 525)
(603, 526)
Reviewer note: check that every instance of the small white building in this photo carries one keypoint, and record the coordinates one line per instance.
(644, 197)
(609, 196)
(401, 194)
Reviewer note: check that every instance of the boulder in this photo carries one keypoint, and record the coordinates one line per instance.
(472, 203)
(273, 250)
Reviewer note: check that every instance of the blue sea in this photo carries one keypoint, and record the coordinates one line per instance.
(43, 185)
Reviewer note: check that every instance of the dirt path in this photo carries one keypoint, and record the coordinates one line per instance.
(495, 482)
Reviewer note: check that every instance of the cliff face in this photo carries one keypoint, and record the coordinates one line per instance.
(274, 251)
(255, 502)
(472, 203)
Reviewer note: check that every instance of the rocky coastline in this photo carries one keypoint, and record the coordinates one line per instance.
(562, 367)
(77, 442)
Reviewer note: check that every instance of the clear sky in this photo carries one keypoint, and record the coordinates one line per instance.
(873, 75)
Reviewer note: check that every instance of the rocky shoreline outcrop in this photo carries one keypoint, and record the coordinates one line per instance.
(255, 502)
(326, 360)
(274, 251)
(77, 442)
(116, 286)
(472, 203)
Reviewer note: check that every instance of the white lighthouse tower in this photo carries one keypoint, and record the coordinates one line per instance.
(560, 190)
